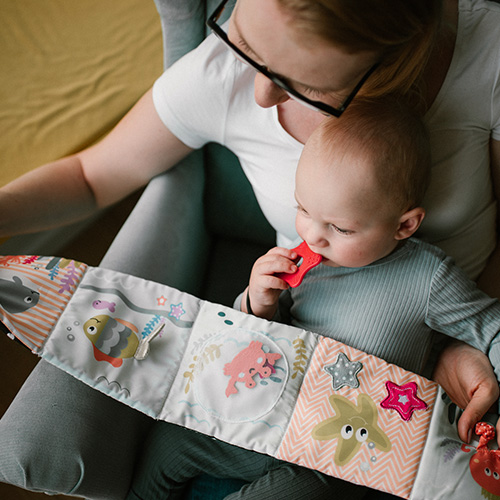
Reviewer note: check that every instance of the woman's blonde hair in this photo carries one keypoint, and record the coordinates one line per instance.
(403, 32)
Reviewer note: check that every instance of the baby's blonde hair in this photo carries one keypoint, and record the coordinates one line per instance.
(392, 136)
(403, 32)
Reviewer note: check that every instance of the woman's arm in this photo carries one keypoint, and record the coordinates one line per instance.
(464, 372)
(69, 189)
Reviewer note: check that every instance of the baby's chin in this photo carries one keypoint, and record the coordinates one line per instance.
(329, 263)
(353, 265)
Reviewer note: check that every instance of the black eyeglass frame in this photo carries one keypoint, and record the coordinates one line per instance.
(317, 105)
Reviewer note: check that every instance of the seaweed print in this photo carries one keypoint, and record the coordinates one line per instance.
(210, 353)
(300, 359)
(69, 279)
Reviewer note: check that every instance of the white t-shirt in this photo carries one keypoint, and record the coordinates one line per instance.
(208, 96)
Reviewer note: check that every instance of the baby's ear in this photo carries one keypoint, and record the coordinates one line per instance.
(409, 222)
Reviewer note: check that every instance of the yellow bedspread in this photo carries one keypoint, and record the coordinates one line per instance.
(69, 70)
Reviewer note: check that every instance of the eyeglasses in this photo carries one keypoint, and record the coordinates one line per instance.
(280, 82)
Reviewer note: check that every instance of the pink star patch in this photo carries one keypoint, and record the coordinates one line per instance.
(403, 399)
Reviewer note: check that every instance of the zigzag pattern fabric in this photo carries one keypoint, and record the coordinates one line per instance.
(264, 386)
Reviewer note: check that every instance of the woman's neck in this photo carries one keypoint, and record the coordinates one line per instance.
(298, 120)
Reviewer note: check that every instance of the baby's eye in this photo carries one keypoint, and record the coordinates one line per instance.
(301, 210)
(345, 232)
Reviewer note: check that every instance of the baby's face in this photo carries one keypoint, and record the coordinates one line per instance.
(341, 212)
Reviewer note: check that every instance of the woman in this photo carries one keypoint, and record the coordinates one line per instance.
(406, 47)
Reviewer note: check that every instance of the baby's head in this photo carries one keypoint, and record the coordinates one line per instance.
(361, 180)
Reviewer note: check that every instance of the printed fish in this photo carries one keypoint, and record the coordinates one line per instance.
(15, 297)
(113, 339)
(104, 304)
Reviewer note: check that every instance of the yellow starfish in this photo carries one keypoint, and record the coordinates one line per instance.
(352, 425)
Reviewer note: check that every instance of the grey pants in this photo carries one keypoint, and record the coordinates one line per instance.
(61, 436)
(174, 455)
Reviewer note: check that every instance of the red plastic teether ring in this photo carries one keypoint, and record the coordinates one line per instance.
(310, 260)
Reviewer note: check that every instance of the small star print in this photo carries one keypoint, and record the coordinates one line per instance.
(161, 300)
(403, 400)
(344, 372)
(176, 311)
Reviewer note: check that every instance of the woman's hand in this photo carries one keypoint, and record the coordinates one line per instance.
(265, 288)
(467, 377)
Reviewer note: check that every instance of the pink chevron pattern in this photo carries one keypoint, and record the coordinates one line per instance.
(393, 471)
(33, 326)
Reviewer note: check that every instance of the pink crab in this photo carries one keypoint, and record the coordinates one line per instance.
(485, 463)
(247, 363)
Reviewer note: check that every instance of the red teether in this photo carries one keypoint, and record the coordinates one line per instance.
(310, 260)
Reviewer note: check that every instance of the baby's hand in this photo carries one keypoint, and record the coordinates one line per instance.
(265, 287)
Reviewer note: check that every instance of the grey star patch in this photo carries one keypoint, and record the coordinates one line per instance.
(343, 372)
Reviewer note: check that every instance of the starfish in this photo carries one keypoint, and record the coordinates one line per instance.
(403, 399)
(343, 372)
(352, 426)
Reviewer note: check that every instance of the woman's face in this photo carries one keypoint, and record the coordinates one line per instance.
(313, 67)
